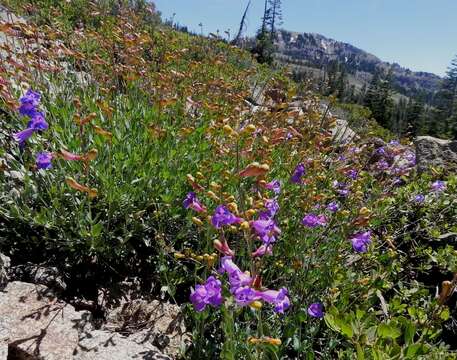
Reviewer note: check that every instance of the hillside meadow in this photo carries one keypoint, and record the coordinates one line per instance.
(131, 150)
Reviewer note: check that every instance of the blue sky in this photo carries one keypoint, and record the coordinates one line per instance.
(418, 34)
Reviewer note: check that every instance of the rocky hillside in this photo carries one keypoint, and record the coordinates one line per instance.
(317, 51)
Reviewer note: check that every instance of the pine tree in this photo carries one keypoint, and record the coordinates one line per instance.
(264, 47)
(275, 18)
(378, 98)
(445, 119)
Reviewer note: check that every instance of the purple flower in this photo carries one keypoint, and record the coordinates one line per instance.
(37, 122)
(381, 151)
(245, 295)
(438, 186)
(394, 142)
(29, 102)
(419, 198)
(341, 188)
(333, 206)
(208, 294)
(398, 182)
(274, 185)
(43, 160)
(266, 230)
(191, 202)
(313, 220)
(353, 174)
(316, 310)
(360, 241)
(279, 299)
(222, 216)
(341, 158)
(237, 278)
(23, 135)
(343, 192)
(382, 165)
(272, 207)
(298, 173)
(355, 150)
(411, 158)
(263, 250)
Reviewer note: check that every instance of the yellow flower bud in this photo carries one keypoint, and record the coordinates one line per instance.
(257, 305)
(345, 213)
(199, 258)
(215, 186)
(233, 229)
(230, 198)
(200, 175)
(245, 225)
(233, 207)
(212, 195)
(273, 341)
(179, 255)
(359, 194)
(364, 211)
(250, 213)
(250, 128)
(258, 204)
(197, 221)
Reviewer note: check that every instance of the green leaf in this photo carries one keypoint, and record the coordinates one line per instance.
(414, 350)
(388, 331)
(360, 354)
(410, 331)
(444, 315)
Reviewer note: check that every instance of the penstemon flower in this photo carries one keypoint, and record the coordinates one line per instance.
(298, 173)
(360, 241)
(208, 294)
(191, 202)
(316, 310)
(43, 160)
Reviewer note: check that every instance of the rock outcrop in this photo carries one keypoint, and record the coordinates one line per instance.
(434, 152)
(36, 325)
(5, 263)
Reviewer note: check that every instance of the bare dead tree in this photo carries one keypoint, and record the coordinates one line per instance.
(243, 20)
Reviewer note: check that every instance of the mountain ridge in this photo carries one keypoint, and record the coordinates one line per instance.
(318, 51)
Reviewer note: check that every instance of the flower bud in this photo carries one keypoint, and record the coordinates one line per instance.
(215, 186)
(233, 207)
(250, 129)
(272, 341)
(250, 213)
(213, 196)
(257, 305)
(197, 221)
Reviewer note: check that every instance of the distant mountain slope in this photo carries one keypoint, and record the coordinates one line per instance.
(315, 50)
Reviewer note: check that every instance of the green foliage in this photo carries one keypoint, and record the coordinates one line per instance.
(166, 114)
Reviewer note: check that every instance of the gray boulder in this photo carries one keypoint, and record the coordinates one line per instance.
(35, 325)
(434, 152)
(5, 264)
(105, 345)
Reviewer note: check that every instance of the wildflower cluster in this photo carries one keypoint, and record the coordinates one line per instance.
(29, 108)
